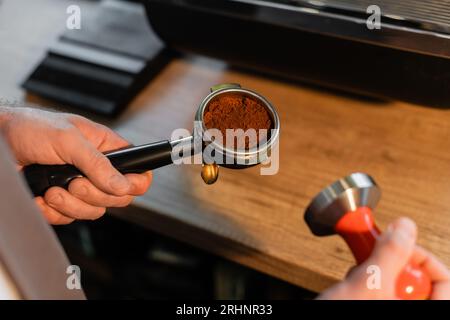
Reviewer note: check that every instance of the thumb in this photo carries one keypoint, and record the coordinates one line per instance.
(394, 248)
(96, 166)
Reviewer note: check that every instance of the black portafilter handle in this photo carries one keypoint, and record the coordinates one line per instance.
(137, 159)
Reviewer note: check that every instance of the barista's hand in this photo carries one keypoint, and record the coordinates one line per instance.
(37, 136)
(394, 249)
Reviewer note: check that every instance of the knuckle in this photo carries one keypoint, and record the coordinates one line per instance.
(51, 218)
(394, 246)
(99, 212)
(75, 185)
(74, 119)
(66, 136)
(56, 218)
(124, 201)
(99, 159)
(102, 127)
(66, 130)
(54, 197)
(141, 184)
(79, 187)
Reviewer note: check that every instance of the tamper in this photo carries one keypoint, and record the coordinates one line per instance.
(345, 208)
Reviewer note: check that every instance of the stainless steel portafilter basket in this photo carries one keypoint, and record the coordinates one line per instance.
(232, 157)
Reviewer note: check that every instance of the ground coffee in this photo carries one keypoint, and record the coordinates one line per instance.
(234, 111)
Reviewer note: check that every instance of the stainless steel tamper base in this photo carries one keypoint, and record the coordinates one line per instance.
(344, 195)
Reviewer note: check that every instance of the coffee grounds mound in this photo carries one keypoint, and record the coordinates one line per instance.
(233, 111)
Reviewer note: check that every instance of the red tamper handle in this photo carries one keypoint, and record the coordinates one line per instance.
(360, 232)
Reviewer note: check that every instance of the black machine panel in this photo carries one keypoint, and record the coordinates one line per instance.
(323, 42)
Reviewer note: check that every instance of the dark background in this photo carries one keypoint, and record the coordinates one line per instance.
(120, 260)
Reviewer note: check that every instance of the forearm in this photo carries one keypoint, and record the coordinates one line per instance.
(5, 116)
(9, 112)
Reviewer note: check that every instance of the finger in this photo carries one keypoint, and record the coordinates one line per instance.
(95, 166)
(394, 248)
(84, 190)
(103, 138)
(436, 270)
(441, 291)
(51, 215)
(111, 141)
(428, 261)
(140, 182)
(61, 200)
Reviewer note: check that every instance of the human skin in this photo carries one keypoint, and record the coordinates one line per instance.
(38, 136)
(394, 249)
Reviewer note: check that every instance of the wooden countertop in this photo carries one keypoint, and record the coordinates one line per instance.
(258, 220)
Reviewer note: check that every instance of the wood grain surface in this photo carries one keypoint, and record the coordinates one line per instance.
(258, 220)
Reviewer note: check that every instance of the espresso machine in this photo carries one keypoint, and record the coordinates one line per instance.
(322, 42)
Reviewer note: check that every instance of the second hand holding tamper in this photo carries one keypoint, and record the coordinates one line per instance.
(345, 208)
